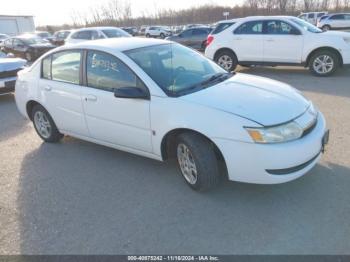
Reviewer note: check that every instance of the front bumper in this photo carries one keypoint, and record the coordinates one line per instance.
(7, 85)
(254, 163)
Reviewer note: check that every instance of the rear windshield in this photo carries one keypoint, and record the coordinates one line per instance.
(221, 27)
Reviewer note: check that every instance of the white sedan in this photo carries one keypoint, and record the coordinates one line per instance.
(161, 100)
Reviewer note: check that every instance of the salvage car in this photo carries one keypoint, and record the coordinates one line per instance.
(279, 40)
(9, 67)
(161, 100)
(195, 38)
(27, 47)
(59, 37)
(93, 33)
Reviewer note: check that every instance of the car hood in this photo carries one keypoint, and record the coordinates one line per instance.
(336, 33)
(9, 64)
(262, 100)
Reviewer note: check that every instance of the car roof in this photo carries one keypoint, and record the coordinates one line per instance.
(96, 28)
(119, 44)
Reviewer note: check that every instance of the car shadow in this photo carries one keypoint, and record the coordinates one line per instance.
(80, 198)
(302, 79)
(11, 121)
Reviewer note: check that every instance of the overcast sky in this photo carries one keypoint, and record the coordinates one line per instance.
(60, 11)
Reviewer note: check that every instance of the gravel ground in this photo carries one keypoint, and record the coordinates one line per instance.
(79, 198)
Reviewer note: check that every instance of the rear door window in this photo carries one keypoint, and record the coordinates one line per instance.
(221, 27)
(66, 66)
(250, 28)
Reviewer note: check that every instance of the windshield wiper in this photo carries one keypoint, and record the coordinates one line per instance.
(214, 78)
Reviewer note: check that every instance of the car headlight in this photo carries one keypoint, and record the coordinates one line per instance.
(276, 134)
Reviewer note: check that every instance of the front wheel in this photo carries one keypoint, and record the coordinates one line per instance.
(44, 125)
(324, 63)
(162, 35)
(148, 35)
(227, 60)
(326, 28)
(197, 161)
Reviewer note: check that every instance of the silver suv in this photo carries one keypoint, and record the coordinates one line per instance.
(335, 21)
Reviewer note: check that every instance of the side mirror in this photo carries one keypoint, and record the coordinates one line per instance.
(131, 92)
(294, 31)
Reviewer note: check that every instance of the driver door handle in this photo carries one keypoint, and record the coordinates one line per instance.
(90, 98)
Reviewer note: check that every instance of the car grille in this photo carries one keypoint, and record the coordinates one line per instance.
(11, 73)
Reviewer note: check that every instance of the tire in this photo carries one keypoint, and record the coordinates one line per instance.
(227, 60)
(28, 57)
(324, 63)
(205, 174)
(148, 35)
(42, 120)
(326, 28)
(162, 35)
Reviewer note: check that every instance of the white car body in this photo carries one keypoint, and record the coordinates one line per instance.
(274, 49)
(218, 113)
(335, 21)
(94, 33)
(157, 31)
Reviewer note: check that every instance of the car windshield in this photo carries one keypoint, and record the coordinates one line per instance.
(178, 70)
(33, 41)
(112, 33)
(307, 26)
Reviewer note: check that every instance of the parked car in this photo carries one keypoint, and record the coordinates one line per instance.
(60, 36)
(193, 26)
(195, 37)
(92, 33)
(8, 72)
(2, 38)
(157, 31)
(27, 46)
(279, 40)
(44, 35)
(334, 22)
(161, 100)
(130, 30)
(142, 30)
(312, 17)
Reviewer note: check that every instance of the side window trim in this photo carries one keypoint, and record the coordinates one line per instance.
(265, 32)
(84, 70)
(51, 56)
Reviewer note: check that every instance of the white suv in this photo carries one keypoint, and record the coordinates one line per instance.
(93, 33)
(157, 31)
(279, 40)
(334, 21)
(312, 17)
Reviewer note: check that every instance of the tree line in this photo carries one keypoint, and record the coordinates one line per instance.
(119, 13)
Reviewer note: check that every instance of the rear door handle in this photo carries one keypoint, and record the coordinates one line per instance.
(91, 98)
(48, 88)
(270, 40)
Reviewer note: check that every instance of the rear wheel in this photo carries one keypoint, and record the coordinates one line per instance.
(324, 63)
(162, 35)
(148, 35)
(44, 125)
(326, 28)
(227, 60)
(197, 161)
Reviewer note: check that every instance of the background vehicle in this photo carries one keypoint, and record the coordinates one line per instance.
(2, 38)
(312, 17)
(16, 24)
(335, 21)
(125, 99)
(195, 38)
(157, 31)
(93, 33)
(279, 40)
(43, 35)
(27, 47)
(130, 30)
(60, 36)
(8, 72)
(142, 30)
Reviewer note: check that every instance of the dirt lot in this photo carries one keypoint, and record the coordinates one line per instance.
(79, 198)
